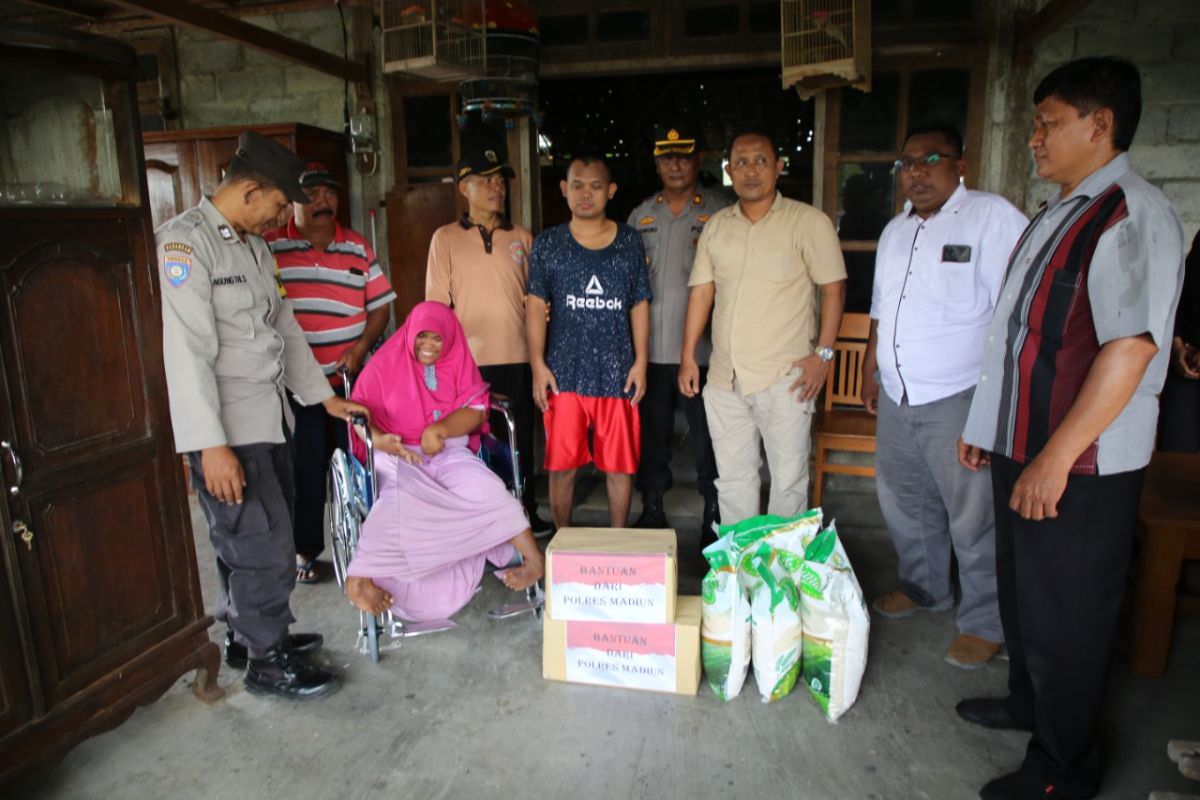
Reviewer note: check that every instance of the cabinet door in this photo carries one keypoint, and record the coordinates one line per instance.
(15, 705)
(104, 577)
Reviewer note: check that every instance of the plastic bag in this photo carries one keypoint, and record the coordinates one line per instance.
(724, 622)
(836, 624)
(776, 628)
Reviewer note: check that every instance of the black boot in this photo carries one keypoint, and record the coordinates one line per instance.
(708, 525)
(302, 643)
(653, 515)
(285, 673)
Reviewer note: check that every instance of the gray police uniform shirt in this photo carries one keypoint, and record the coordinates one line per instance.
(230, 342)
(670, 245)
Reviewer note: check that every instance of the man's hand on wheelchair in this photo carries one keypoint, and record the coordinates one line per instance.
(544, 385)
(343, 409)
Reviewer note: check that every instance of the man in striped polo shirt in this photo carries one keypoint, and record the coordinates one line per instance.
(341, 299)
(1065, 409)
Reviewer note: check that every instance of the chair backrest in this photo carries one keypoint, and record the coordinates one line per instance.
(844, 386)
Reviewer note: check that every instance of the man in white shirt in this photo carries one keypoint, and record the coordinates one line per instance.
(938, 272)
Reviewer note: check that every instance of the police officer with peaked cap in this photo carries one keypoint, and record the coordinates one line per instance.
(670, 222)
(232, 349)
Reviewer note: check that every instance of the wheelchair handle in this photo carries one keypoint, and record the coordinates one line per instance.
(360, 419)
(344, 374)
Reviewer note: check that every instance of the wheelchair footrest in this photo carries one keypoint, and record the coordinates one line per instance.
(409, 629)
(513, 609)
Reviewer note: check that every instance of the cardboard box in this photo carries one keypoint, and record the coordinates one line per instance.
(658, 657)
(611, 575)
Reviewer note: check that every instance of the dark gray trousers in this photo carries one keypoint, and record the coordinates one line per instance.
(255, 554)
(933, 506)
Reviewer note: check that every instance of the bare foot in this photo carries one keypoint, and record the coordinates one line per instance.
(368, 597)
(525, 575)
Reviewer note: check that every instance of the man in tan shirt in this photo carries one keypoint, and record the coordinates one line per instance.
(763, 266)
(478, 266)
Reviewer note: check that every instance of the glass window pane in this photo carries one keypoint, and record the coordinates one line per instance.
(58, 140)
(623, 26)
(427, 131)
(866, 194)
(942, 11)
(869, 119)
(886, 13)
(939, 95)
(559, 31)
(764, 17)
(710, 21)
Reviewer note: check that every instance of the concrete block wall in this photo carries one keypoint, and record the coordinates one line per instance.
(223, 84)
(1162, 37)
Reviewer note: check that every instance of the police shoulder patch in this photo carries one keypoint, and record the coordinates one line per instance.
(647, 220)
(176, 270)
(703, 218)
(179, 247)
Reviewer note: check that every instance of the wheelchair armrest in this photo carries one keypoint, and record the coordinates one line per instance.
(360, 419)
(500, 402)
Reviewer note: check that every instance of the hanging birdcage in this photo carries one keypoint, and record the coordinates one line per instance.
(507, 85)
(826, 43)
(435, 39)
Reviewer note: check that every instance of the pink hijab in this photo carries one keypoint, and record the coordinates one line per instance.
(404, 395)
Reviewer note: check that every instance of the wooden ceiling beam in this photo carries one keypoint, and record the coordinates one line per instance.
(191, 15)
(88, 12)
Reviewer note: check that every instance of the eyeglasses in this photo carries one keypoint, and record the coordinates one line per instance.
(931, 160)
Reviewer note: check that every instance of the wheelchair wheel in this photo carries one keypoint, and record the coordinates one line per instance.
(339, 524)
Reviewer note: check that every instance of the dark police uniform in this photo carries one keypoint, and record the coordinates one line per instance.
(670, 245)
(231, 348)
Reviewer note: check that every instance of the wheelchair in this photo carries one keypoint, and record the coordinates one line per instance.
(350, 494)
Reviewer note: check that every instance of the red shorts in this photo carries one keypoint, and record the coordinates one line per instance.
(616, 437)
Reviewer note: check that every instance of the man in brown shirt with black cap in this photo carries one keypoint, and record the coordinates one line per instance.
(479, 266)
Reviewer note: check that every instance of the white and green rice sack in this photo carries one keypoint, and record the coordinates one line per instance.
(724, 622)
(783, 535)
(836, 624)
(775, 627)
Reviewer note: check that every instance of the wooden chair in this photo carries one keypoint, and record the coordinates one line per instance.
(843, 424)
(1169, 528)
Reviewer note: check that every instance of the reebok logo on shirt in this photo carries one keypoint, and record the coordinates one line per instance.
(595, 298)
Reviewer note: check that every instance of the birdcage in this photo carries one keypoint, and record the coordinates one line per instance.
(826, 43)
(436, 39)
(509, 84)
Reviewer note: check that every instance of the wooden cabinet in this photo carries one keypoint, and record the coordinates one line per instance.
(183, 166)
(100, 604)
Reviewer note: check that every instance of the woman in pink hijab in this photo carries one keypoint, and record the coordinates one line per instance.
(440, 513)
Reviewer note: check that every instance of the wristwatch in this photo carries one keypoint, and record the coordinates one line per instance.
(825, 354)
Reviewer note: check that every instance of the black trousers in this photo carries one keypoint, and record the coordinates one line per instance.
(1179, 415)
(253, 545)
(657, 410)
(515, 381)
(315, 437)
(1060, 585)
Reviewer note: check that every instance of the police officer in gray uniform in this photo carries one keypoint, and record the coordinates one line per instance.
(670, 222)
(231, 348)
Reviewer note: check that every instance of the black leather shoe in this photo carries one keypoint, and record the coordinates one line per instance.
(990, 712)
(652, 515)
(301, 643)
(1022, 786)
(708, 525)
(285, 673)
